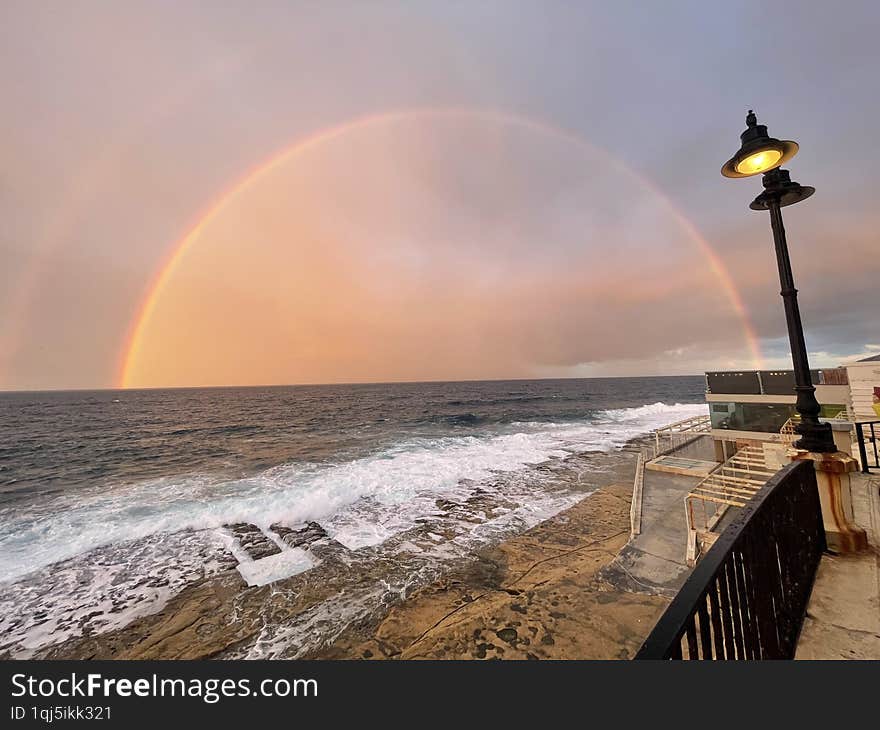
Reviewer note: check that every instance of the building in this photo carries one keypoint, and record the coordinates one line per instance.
(864, 386)
(753, 407)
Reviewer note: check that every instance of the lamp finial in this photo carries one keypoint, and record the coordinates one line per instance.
(751, 119)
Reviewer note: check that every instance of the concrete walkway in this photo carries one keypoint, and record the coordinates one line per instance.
(843, 616)
(655, 559)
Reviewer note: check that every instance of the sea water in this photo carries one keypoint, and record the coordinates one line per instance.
(113, 501)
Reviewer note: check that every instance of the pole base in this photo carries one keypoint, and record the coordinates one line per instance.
(842, 535)
(817, 438)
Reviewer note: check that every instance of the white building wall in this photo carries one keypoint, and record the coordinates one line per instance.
(863, 378)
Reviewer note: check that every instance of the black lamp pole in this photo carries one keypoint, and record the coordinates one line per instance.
(780, 191)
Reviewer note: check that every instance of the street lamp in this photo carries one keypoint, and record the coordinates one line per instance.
(758, 154)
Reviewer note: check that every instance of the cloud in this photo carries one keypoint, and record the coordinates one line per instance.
(510, 256)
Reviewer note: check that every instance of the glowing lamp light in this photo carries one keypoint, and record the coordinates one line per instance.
(759, 162)
(759, 151)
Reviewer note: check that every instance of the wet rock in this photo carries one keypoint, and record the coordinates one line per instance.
(508, 635)
(482, 648)
(253, 540)
(469, 513)
(490, 505)
(301, 538)
(389, 596)
(447, 505)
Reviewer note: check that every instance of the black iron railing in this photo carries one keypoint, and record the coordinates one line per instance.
(869, 452)
(747, 597)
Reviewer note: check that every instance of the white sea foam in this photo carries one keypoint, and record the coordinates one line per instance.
(32, 537)
(105, 589)
(360, 503)
(275, 567)
(324, 621)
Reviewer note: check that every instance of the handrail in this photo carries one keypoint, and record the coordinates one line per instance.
(685, 424)
(635, 509)
(863, 438)
(689, 428)
(747, 598)
(731, 484)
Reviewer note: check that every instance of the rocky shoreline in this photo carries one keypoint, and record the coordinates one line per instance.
(551, 591)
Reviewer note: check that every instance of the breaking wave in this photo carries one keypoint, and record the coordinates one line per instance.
(102, 546)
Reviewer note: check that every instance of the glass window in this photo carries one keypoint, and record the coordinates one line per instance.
(763, 417)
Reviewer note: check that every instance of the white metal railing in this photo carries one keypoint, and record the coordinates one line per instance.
(787, 434)
(679, 433)
(635, 510)
(731, 484)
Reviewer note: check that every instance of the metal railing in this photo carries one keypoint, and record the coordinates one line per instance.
(732, 484)
(680, 434)
(747, 598)
(866, 437)
(768, 382)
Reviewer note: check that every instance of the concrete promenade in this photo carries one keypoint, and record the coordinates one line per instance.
(843, 615)
(654, 560)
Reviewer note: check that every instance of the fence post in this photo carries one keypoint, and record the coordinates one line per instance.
(863, 452)
(874, 444)
(635, 511)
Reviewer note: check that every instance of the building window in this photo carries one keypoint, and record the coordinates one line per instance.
(759, 417)
(833, 410)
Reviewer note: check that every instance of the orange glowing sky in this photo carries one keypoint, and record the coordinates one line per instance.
(349, 192)
(369, 253)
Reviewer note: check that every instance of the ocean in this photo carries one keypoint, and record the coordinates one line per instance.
(113, 501)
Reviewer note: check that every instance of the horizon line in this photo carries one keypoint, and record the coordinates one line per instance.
(316, 384)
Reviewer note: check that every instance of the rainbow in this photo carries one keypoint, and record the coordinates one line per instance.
(133, 340)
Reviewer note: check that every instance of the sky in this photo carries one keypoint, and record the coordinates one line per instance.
(232, 193)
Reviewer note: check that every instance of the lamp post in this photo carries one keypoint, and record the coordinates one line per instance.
(759, 154)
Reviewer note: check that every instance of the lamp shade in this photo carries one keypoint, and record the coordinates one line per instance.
(779, 188)
(759, 151)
